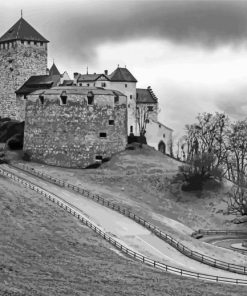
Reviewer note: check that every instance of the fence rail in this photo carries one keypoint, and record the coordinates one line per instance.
(155, 230)
(137, 256)
(219, 232)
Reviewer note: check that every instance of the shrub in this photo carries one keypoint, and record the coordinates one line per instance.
(26, 156)
(198, 170)
(16, 142)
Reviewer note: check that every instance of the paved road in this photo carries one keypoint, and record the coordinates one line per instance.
(128, 232)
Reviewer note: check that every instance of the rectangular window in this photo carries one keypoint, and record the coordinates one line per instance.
(98, 157)
(111, 122)
(150, 108)
(116, 99)
(103, 84)
(131, 96)
(126, 85)
(102, 135)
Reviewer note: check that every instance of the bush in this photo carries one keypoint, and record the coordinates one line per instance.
(26, 156)
(199, 169)
(16, 142)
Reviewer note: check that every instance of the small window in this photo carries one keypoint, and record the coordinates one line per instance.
(126, 85)
(88, 84)
(99, 157)
(41, 43)
(64, 97)
(150, 108)
(116, 99)
(22, 41)
(102, 135)
(164, 135)
(128, 105)
(159, 125)
(90, 98)
(103, 84)
(35, 43)
(131, 96)
(80, 84)
(41, 98)
(131, 128)
(111, 122)
(29, 42)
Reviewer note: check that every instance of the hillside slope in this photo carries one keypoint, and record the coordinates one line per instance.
(45, 251)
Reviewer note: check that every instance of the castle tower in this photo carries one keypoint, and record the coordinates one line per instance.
(23, 53)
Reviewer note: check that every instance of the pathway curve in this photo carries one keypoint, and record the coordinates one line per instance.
(126, 231)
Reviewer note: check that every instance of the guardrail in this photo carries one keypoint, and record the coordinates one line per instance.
(155, 230)
(137, 256)
(220, 232)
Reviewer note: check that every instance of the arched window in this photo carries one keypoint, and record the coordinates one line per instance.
(162, 147)
(64, 97)
(90, 97)
(41, 99)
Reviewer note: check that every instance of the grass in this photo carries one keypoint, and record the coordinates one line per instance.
(141, 180)
(46, 251)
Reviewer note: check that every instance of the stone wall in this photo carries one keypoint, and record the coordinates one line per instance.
(18, 61)
(69, 135)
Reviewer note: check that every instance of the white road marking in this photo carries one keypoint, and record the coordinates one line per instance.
(158, 251)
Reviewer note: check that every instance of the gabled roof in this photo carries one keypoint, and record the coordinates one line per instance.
(145, 96)
(159, 123)
(122, 75)
(54, 70)
(90, 77)
(22, 30)
(38, 82)
(67, 83)
(77, 90)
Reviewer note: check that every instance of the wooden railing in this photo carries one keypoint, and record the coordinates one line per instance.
(162, 235)
(137, 256)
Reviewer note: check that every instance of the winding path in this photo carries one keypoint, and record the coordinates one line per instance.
(126, 231)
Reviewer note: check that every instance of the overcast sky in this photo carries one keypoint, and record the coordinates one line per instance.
(192, 53)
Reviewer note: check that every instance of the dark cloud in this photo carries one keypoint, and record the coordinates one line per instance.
(234, 103)
(77, 27)
(197, 23)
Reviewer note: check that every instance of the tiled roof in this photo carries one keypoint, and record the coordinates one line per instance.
(67, 83)
(159, 123)
(145, 96)
(90, 77)
(38, 82)
(78, 90)
(122, 75)
(22, 30)
(54, 70)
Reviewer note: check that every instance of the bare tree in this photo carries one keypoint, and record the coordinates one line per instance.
(142, 117)
(237, 201)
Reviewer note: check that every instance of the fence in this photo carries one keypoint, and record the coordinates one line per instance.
(137, 256)
(165, 237)
(219, 232)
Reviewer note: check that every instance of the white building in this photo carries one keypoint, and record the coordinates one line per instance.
(157, 134)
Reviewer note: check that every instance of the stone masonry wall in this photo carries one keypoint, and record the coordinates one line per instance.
(68, 135)
(17, 63)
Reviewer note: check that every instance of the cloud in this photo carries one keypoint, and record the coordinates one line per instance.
(195, 23)
(79, 26)
(234, 103)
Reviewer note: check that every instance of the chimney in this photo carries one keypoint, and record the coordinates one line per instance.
(106, 72)
(76, 75)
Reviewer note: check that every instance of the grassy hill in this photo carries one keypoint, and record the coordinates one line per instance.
(45, 251)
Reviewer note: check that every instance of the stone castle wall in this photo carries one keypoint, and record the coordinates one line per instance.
(69, 135)
(18, 61)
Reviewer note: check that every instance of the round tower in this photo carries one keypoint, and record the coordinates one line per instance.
(23, 53)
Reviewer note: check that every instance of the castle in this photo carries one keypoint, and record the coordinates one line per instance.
(72, 122)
